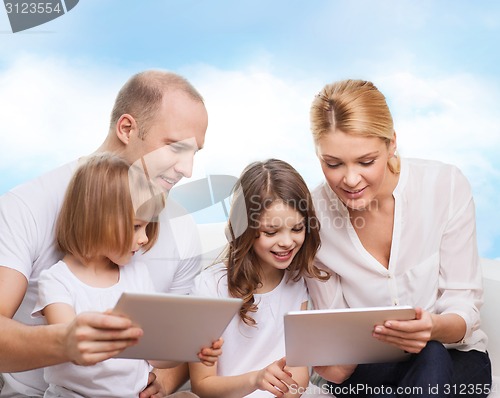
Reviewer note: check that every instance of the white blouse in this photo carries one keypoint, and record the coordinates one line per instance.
(434, 263)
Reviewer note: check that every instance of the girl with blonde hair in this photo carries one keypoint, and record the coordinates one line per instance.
(109, 213)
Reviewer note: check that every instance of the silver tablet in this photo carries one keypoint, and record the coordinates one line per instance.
(340, 337)
(175, 327)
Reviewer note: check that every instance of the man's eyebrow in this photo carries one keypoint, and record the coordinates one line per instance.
(183, 145)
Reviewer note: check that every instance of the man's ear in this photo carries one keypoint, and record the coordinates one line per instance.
(125, 127)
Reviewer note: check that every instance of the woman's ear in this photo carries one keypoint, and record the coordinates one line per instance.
(125, 126)
(393, 146)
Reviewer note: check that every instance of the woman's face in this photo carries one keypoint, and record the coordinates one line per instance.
(355, 167)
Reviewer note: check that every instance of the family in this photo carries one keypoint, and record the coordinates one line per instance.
(381, 230)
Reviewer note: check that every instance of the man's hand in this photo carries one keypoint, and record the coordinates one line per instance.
(93, 337)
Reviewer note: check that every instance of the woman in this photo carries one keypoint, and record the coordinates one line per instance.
(397, 232)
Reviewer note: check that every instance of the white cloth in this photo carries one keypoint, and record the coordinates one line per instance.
(113, 377)
(434, 263)
(27, 218)
(247, 348)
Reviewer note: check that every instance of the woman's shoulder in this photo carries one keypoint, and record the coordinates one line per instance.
(426, 170)
(428, 166)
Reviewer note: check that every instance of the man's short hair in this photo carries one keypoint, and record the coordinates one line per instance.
(142, 95)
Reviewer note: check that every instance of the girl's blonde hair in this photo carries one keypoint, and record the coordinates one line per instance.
(354, 107)
(260, 185)
(102, 200)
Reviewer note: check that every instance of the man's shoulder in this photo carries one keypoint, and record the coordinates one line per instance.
(212, 281)
(52, 184)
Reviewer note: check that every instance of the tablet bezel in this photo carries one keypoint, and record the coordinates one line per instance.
(175, 327)
(341, 336)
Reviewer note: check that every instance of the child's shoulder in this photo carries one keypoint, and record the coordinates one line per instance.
(57, 270)
(290, 284)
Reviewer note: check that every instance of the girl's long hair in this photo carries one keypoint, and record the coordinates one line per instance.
(259, 186)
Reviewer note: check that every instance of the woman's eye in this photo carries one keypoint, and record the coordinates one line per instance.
(332, 165)
(269, 233)
(368, 162)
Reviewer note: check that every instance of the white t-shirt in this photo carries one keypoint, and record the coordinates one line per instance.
(248, 348)
(27, 219)
(113, 377)
(434, 263)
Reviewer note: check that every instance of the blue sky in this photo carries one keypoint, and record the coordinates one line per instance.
(258, 64)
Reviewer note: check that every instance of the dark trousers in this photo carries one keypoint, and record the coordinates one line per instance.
(434, 372)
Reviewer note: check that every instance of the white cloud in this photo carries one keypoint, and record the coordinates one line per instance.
(255, 115)
(453, 118)
(53, 111)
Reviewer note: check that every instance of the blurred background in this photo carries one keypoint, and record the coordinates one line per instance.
(258, 65)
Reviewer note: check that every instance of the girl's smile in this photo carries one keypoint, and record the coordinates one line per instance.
(281, 235)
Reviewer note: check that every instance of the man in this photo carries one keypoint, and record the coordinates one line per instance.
(158, 122)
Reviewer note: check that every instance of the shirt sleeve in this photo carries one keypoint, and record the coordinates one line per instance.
(211, 282)
(326, 294)
(18, 235)
(51, 289)
(185, 274)
(303, 291)
(175, 257)
(460, 278)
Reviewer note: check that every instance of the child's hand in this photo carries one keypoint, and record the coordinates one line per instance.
(209, 356)
(275, 378)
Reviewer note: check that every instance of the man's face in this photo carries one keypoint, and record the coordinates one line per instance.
(176, 134)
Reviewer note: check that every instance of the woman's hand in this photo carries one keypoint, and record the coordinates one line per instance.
(411, 336)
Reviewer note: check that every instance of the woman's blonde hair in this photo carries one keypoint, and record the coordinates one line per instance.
(354, 107)
(260, 185)
(102, 200)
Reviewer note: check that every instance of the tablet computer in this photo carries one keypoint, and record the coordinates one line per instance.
(341, 337)
(175, 326)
